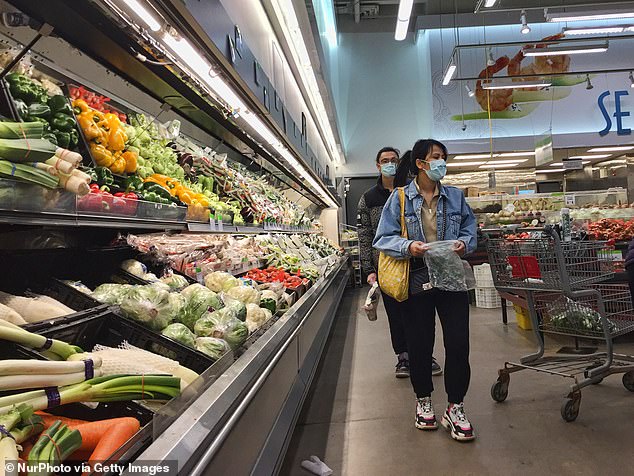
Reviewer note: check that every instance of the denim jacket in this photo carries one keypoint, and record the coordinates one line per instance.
(453, 214)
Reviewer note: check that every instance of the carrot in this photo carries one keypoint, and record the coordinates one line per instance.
(48, 420)
(113, 438)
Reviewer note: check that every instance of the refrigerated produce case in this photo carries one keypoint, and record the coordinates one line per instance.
(239, 415)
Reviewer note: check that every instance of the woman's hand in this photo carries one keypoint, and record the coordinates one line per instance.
(371, 278)
(460, 248)
(418, 249)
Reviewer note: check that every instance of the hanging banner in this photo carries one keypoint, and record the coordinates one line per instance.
(544, 149)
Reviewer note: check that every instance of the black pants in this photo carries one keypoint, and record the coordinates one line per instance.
(393, 308)
(419, 317)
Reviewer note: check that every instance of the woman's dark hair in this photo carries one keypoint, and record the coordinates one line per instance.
(407, 165)
(386, 149)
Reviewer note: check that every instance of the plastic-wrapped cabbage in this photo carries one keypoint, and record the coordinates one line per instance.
(446, 270)
(219, 281)
(151, 306)
(110, 293)
(573, 316)
(212, 346)
(268, 300)
(176, 282)
(256, 316)
(180, 333)
(238, 308)
(134, 267)
(245, 294)
(199, 300)
(150, 277)
(222, 324)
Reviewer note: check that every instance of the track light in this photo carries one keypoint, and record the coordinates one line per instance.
(490, 60)
(588, 83)
(471, 92)
(631, 80)
(525, 28)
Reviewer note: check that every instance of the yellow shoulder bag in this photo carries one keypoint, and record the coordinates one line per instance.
(393, 273)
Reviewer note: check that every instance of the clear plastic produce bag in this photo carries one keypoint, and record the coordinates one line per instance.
(372, 302)
(446, 269)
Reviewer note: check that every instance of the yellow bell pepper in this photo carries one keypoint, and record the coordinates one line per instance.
(102, 156)
(118, 165)
(117, 138)
(131, 158)
(82, 105)
(88, 126)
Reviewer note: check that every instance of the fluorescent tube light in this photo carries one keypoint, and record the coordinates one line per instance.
(143, 13)
(402, 19)
(588, 15)
(567, 50)
(560, 164)
(489, 3)
(451, 70)
(515, 84)
(517, 154)
(516, 161)
(492, 165)
(601, 156)
(612, 149)
(597, 30)
(188, 54)
(464, 164)
(553, 171)
(474, 156)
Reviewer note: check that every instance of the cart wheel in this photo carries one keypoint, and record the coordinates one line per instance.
(570, 409)
(499, 391)
(628, 380)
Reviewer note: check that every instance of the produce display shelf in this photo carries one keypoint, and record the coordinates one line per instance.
(65, 219)
(241, 230)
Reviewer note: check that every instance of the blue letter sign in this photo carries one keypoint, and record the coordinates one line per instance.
(619, 114)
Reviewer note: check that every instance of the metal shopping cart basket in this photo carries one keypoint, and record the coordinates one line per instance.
(562, 282)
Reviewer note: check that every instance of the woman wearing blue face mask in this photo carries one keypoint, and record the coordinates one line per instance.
(433, 212)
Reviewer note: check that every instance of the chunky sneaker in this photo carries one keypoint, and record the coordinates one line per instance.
(402, 367)
(435, 368)
(456, 422)
(425, 416)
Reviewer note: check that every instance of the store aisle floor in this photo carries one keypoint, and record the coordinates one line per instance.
(359, 419)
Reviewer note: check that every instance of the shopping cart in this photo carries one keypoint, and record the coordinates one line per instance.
(566, 295)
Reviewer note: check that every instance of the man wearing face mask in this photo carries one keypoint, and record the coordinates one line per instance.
(369, 212)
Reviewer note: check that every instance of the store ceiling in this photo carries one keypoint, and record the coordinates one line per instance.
(376, 16)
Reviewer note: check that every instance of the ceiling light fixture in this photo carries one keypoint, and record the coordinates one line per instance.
(621, 148)
(631, 80)
(514, 161)
(464, 164)
(567, 50)
(143, 14)
(474, 156)
(489, 3)
(470, 92)
(515, 84)
(554, 171)
(567, 16)
(597, 30)
(449, 73)
(518, 154)
(560, 164)
(402, 19)
(525, 28)
(588, 83)
(490, 59)
(601, 156)
(496, 166)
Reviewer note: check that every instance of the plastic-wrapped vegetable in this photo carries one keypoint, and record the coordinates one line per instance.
(152, 306)
(570, 315)
(245, 294)
(176, 282)
(223, 324)
(180, 333)
(219, 281)
(238, 308)
(134, 267)
(446, 270)
(110, 293)
(199, 300)
(212, 346)
(268, 300)
(256, 316)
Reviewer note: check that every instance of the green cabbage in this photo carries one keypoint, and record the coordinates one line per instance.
(180, 333)
(199, 300)
(152, 306)
(222, 324)
(112, 293)
(176, 282)
(212, 346)
(238, 309)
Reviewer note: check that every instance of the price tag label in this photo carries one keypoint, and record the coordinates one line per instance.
(570, 200)
(212, 222)
(220, 225)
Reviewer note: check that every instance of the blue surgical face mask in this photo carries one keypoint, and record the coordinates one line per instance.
(437, 170)
(388, 170)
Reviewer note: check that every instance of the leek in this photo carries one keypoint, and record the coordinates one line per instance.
(54, 446)
(27, 150)
(37, 342)
(21, 382)
(21, 424)
(113, 388)
(27, 173)
(22, 367)
(21, 130)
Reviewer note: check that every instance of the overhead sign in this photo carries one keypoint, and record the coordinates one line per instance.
(544, 149)
(573, 164)
(619, 113)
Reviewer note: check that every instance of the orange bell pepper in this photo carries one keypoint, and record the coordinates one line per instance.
(130, 161)
(118, 165)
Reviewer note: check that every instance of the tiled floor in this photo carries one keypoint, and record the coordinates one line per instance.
(359, 419)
